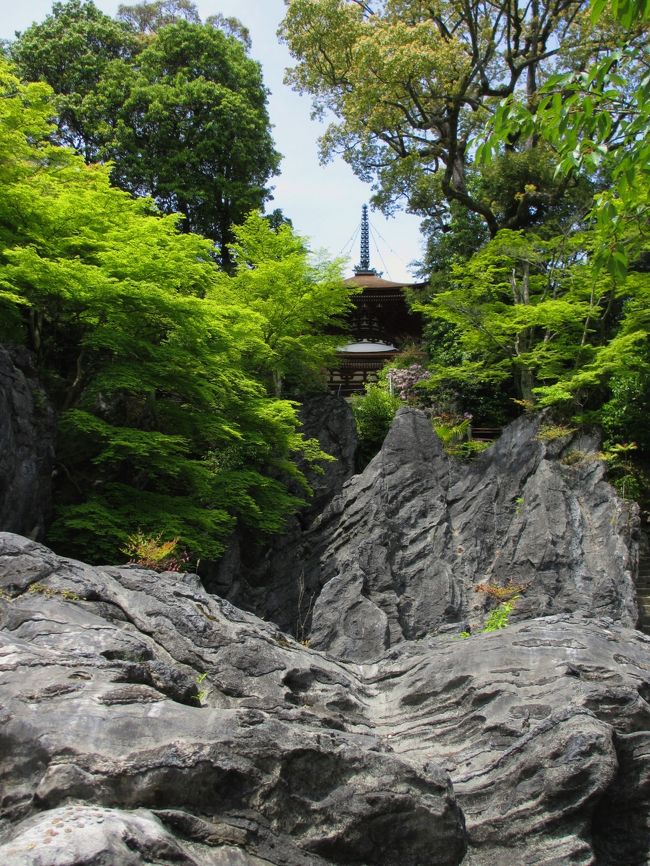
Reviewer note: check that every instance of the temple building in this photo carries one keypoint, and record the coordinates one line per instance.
(379, 325)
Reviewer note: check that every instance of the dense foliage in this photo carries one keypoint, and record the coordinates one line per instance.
(535, 314)
(166, 425)
(373, 414)
(177, 106)
(296, 300)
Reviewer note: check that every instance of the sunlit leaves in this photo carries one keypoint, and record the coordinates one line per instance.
(295, 301)
(597, 120)
(409, 83)
(140, 350)
(533, 306)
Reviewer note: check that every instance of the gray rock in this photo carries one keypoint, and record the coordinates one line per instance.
(143, 720)
(189, 720)
(542, 726)
(412, 544)
(26, 446)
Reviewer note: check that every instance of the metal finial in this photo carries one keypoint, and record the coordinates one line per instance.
(364, 264)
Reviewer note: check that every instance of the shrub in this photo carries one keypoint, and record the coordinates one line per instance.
(403, 381)
(150, 551)
(373, 414)
(549, 432)
(500, 617)
(502, 593)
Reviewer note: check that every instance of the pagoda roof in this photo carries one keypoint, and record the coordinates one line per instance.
(372, 280)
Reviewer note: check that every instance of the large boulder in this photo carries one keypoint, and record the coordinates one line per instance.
(420, 541)
(27, 432)
(544, 728)
(143, 720)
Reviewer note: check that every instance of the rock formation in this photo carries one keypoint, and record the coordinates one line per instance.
(109, 744)
(401, 552)
(143, 720)
(26, 446)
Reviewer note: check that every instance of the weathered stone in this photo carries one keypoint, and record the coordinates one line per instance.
(26, 447)
(143, 720)
(197, 712)
(531, 723)
(403, 550)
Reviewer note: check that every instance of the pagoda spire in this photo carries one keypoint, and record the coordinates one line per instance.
(364, 264)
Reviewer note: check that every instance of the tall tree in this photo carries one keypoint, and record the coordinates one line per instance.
(296, 300)
(186, 123)
(524, 311)
(181, 112)
(410, 82)
(598, 119)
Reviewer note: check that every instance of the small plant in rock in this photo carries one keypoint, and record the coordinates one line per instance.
(627, 476)
(471, 448)
(50, 592)
(527, 405)
(502, 593)
(201, 694)
(150, 551)
(618, 451)
(573, 457)
(500, 617)
(452, 430)
(497, 619)
(549, 432)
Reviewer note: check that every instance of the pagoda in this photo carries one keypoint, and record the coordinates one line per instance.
(379, 324)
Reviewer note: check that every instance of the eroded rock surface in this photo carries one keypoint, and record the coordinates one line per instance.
(145, 721)
(191, 728)
(401, 552)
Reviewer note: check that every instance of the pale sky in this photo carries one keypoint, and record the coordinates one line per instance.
(324, 202)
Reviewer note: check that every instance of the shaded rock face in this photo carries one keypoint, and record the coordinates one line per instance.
(402, 551)
(26, 447)
(266, 576)
(143, 720)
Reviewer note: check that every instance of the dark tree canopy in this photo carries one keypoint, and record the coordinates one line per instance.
(70, 50)
(186, 123)
(177, 106)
